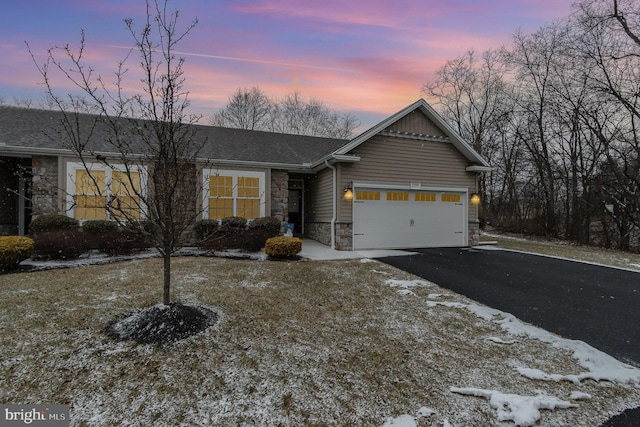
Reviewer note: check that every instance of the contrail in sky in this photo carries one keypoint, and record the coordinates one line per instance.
(255, 61)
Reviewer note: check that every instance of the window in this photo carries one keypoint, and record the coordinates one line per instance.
(367, 195)
(125, 188)
(401, 196)
(220, 196)
(100, 192)
(234, 193)
(90, 194)
(425, 197)
(248, 203)
(450, 198)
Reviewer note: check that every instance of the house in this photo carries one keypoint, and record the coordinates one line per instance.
(406, 182)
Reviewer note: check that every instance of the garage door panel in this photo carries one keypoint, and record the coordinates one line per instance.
(422, 221)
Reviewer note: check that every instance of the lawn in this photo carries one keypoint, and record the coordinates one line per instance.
(351, 342)
(560, 249)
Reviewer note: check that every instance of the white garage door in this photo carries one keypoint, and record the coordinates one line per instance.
(390, 218)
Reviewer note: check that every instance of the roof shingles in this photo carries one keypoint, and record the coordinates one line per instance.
(41, 129)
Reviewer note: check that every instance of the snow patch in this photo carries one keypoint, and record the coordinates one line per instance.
(578, 395)
(501, 341)
(524, 411)
(401, 421)
(425, 412)
(600, 366)
(406, 284)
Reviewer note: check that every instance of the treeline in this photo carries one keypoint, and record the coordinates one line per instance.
(252, 109)
(557, 113)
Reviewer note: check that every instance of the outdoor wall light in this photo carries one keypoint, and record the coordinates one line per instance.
(475, 199)
(348, 194)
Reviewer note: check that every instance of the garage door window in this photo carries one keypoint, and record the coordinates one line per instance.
(367, 195)
(398, 196)
(425, 197)
(451, 198)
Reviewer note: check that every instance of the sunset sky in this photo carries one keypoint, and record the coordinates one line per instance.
(369, 58)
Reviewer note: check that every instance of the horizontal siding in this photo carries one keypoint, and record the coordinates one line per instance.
(391, 160)
(320, 188)
(416, 122)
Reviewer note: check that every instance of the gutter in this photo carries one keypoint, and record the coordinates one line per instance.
(19, 151)
(335, 207)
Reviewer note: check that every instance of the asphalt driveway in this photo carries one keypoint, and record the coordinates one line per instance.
(598, 305)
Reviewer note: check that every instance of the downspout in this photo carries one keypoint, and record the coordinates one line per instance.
(335, 207)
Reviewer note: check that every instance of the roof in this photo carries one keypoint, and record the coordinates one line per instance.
(32, 131)
(477, 162)
(25, 131)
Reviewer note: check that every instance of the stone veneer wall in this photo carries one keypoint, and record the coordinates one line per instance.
(344, 236)
(44, 187)
(321, 232)
(474, 232)
(280, 195)
(318, 231)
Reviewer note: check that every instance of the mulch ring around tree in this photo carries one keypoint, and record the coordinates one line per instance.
(162, 324)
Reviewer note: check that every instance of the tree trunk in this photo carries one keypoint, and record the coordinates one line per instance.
(166, 298)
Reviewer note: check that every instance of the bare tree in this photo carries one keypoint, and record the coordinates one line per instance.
(246, 109)
(150, 132)
(472, 93)
(22, 102)
(534, 58)
(252, 109)
(610, 44)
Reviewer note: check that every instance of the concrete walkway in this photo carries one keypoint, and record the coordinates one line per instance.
(317, 251)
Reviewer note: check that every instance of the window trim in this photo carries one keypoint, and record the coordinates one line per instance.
(234, 174)
(70, 189)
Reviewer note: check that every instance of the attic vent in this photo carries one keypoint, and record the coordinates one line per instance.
(412, 135)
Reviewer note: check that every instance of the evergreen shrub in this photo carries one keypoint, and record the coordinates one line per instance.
(283, 247)
(269, 224)
(14, 250)
(53, 222)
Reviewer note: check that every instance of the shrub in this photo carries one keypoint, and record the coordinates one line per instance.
(283, 247)
(269, 224)
(53, 222)
(143, 230)
(61, 244)
(244, 240)
(205, 228)
(99, 226)
(234, 222)
(122, 242)
(253, 240)
(14, 250)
